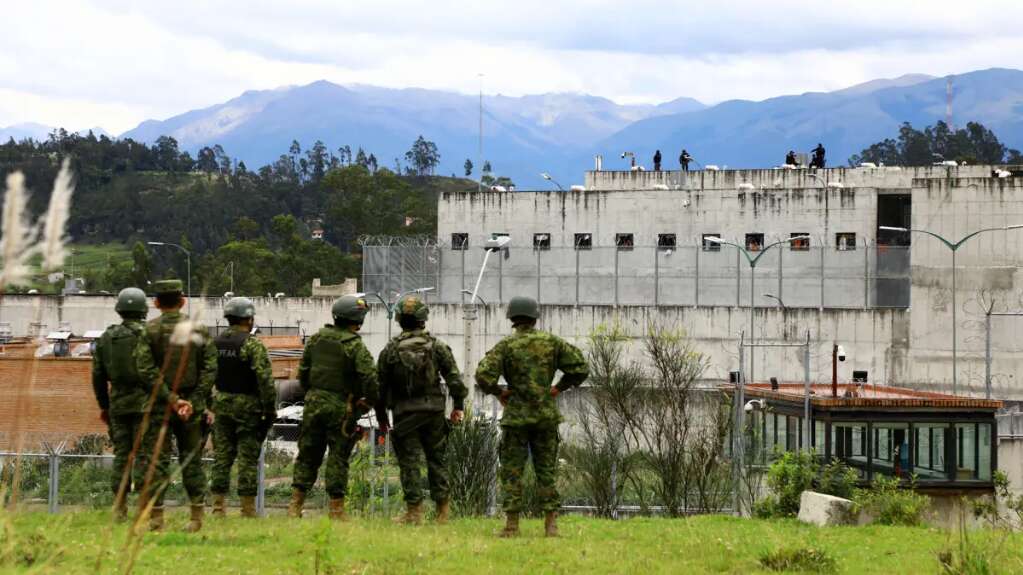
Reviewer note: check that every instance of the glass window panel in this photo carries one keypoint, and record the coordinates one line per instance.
(970, 444)
(848, 445)
(929, 444)
(984, 458)
(818, 437)
(891, 449)
(780, 432)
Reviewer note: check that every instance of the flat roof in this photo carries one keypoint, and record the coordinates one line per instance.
(871, 396)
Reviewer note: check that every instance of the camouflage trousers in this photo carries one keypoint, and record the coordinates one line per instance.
(236, 435)
(517, 443)
(321, 431)
(123, 431)
(419, 436)
(189, 438)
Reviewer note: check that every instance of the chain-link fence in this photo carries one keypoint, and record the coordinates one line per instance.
(851, 275)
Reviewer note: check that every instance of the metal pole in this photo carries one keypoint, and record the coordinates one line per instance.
(53, 496)
(577, 274)
(806, 391)
(822, 278)
(462, 283)
(617, 251)
(987, 355)
(372, 458)
(387, 484)
(261, 481)
(738, 279)
(955, 372)
(537, 275)
(752, 330)
(614, 489)
(834, 370)
(738, 431)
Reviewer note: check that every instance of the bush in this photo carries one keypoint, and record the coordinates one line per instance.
(807, 559)
(837, 479)
(889, 504)
(788, 477)
(472, 463)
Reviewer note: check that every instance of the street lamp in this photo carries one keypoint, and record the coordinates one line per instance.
(188, 264)
(781, 304)
(752, 269)
(954, 247)
(390, 306)
(469, 310)
(548, 177)
(832, 184)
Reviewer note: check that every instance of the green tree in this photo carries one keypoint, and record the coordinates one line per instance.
(142, 265)
(245, 229)
(423, 157)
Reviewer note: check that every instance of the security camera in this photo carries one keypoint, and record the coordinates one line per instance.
(754, 404)
(841, 353)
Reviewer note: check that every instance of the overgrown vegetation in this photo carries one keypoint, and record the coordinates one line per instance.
(888, 503)
(794, 472)
(803, 559)
(973, 144)
(472, 463)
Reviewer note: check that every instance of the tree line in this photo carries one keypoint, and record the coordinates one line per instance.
(974, 144)
(257, 224)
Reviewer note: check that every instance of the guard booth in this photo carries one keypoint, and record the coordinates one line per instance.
(949, 442)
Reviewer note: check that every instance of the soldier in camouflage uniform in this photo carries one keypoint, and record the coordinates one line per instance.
(528, 360)
(410, 370)
(189, 366)
(245, 404)
(339, 377)
(132, 407)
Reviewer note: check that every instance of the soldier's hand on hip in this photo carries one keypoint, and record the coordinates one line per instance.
(503, 398)
(555, 392)
(456, 416)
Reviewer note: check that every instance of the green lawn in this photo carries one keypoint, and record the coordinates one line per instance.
(75, 542)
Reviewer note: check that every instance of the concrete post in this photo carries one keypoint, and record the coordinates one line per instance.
(696, 280)
(657, 276)
(53, 494)
(822, 278)
(261, 481)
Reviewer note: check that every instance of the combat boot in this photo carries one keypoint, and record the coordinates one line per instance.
(511, 526)
(248, 506)
(297, 501)
(550, 524)
(220, 506)
(156, 519)
(337, 509)
(195, 523)
(443, 510)
(413, 514)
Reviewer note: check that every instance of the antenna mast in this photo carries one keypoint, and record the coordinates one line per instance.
(948, 104)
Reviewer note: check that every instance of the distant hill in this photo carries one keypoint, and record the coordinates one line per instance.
(741, 133)
(38, 132)
(522, 136)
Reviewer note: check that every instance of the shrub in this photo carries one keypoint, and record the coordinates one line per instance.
(788, 477)
(807, 559)
(472, 463)
(890, 504)
(837, 479)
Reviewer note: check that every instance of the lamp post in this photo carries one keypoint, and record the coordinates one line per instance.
(188, 264)
(781, 304)
(954, 247)
(548, 177)
(752, 269)
(469, 309)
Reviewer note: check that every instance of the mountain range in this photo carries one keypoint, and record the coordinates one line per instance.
(560, 133)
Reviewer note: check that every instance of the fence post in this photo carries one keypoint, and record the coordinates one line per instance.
(866, 274)
(738, 280)
(781, 272)
(657, 276)
(614, 489)
(261, 481)
(537, 249)
(53, 495)
(372, 466)
(387, 484)
(617, 250)
(437, 280)
(987, 355)
(577, 275)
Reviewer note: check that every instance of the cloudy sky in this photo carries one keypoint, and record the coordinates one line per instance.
(114, 63)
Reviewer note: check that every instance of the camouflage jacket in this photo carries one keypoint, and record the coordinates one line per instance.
(254, 354)
(528, 360)
(337, 367)
(394, 384)
(200, 369)
(128, 368)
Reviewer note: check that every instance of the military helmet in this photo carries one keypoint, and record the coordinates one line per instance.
(523, 306)
(240, 307)
(350, 307)
(167, 287)
(131, 300)
(411, 306)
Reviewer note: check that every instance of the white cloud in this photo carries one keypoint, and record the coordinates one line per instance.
(79, 63)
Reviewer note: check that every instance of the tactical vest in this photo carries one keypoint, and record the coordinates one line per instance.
(416, 386)
(119, 359)
(234, 375)
(160, 332)
(331, 369)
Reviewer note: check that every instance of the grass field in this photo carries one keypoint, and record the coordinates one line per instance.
(79, 542)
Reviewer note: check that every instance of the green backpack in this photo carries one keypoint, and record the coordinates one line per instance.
(416, 356)
(120, 359)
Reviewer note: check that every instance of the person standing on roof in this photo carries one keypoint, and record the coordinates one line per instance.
(657, 161)
(684, 158)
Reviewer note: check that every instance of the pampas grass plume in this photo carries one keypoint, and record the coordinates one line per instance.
(54, 242)
(18, 234)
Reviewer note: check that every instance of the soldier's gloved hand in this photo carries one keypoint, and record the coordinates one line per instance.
(210, 416)
(184, 409)
(555, 391)
(456, 416)
(503, 398)
(104, 416)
